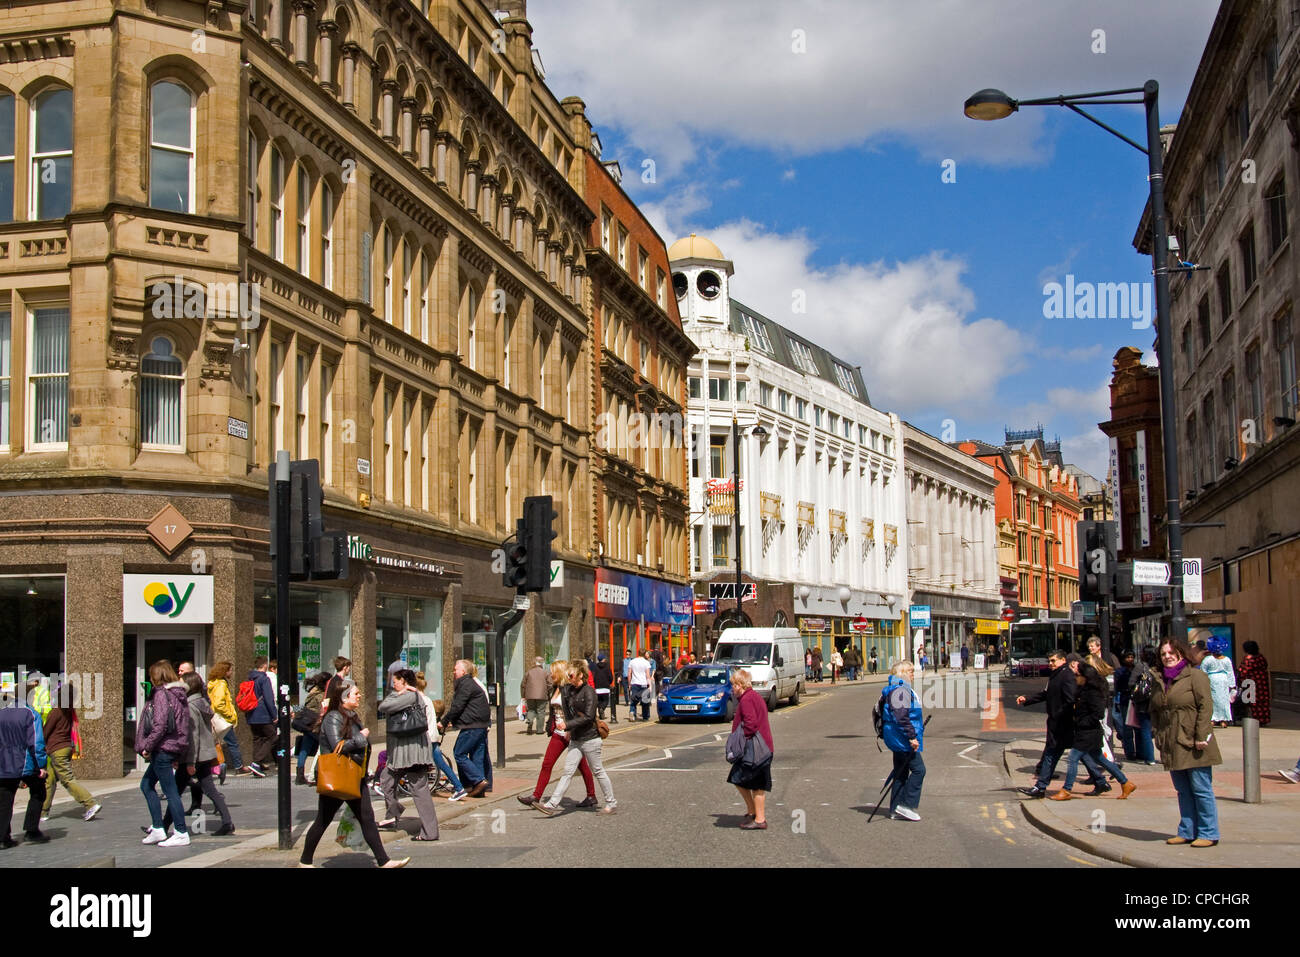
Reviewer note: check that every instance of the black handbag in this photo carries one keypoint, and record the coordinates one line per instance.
(410, 720)
(305, 720)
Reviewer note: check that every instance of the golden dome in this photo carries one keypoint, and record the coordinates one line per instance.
(694, 247)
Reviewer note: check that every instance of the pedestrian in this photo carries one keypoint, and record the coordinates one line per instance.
(1060, 692)
(1181, 713)
(409, 754)
(470, 715)
(1141, 684)
(873, 662)
(223, 706)
(22, 765)
(753, 781)
(1293, 774)
(1094, 651)
(1090, 707)
(195, 770)
(640, 677)
(185, 668)
(657, 659)
(304, 721)
(342, 723)
(578, 708)
(261, 717)
(343, 667)
(533, 690)
(852, 661)
(556, 742)
(817, 664)
(903, 728)
(965, 657)
(1223, 679)
(435, 740)
(38, 694)
(1255, 694)
(837, 664)
(1123, 698)
(162, 738)
(807, 663)
(62, 733)
(606, 697)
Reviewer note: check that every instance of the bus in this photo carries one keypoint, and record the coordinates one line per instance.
(1032, 640)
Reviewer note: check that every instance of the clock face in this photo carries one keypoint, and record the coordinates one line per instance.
(680, 285)
(709, 284)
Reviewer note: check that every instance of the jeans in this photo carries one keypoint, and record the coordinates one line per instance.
(636, 692)
(1094, 761)
(1197, 812)
(60, 769)
(445, 767)
(1146, 749)
(327, 807)
(160, 771)
(602, 702)
(308, 745)
(1047, 765)
(909, 774)
(577, 751)
(554, 748)
(231, 745)
(470, 752)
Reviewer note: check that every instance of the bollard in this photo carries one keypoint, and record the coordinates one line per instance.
(1250, 760)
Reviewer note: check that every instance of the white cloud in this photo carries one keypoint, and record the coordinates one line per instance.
(787, 175)
(1072, 414)
(683, 76)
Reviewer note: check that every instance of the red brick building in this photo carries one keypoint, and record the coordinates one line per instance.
(1134, 432)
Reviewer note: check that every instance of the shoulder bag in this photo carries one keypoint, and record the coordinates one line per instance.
(412, 720)
(338, 776)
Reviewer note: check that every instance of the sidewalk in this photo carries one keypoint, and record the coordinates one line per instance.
(1133, 831)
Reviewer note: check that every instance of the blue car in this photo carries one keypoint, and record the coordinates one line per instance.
(698, 691)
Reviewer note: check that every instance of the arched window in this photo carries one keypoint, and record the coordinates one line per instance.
(426, 316)
(6, 159)
(304, 221)
(51, 192)
(251, 212)
(408, 285)
(326, 235)
(387, 307)
(171, 147)
(162, 381)
(277, 204)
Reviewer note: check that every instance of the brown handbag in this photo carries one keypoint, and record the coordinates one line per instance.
(338, 775)
(602, 729)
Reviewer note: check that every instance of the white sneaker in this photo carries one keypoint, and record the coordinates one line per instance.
(1292, 776)
(905, 814)
(458, 795)
(156, 835)
(91, 812)
(179, 839)
(44, 818)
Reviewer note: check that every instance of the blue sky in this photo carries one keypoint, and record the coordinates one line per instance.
(809, 141)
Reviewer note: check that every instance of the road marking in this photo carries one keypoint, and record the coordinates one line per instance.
(1079, 860)
(974, 762)
(667, 753)
(1008, 840)
(1002, 813)
(996, 831)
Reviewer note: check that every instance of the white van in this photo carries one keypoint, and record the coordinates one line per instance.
(772, 656)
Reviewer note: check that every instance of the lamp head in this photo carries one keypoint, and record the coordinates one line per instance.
(989, 105)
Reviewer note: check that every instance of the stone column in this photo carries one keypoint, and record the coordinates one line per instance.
(95, 646)
(301, 42)
(566, 286)
(275, 23)
(440, 160)
(387, 110)
(424, 147)
(327, 29)
(503, 219)
(348, 94)
(520, 230)
(487, 206)
(407, 132)
(541, 236)
(472, 170)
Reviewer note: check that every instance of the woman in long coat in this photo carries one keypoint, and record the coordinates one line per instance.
(1223, 680)
(1181, 710)
(1254, 669)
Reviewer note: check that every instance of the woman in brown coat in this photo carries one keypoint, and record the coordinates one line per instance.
(1181, 710)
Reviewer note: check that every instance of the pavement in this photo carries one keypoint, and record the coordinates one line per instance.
(1133, 831)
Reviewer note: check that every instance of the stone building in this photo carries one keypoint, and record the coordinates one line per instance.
(346, 229)
(1227, 170)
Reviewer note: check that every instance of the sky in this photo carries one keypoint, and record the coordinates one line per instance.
(823, 147)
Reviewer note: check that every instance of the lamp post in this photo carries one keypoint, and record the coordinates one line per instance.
(758, 432)
(995, 105)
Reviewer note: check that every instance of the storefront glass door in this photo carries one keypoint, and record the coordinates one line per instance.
(143, 649)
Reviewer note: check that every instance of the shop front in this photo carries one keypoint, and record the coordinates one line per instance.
(835, 619)
(957, 622)
(635, 613)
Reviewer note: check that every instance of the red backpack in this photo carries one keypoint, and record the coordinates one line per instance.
(246, 699)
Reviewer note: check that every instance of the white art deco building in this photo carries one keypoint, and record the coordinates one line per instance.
(822, 491)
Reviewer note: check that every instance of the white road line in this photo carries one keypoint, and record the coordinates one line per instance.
(667, 753)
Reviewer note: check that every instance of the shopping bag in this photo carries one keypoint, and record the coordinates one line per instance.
(349, 832)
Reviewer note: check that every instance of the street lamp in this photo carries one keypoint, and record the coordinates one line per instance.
(992, 104)
(758, 432)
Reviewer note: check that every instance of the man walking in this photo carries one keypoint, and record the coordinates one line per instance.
(533, 690)
(261, 718)
(640, 676)
(606, 696)
(965, 657)
(873, 661)
(1059, 694)
(470, 714)
(22, 764)
(904, 733)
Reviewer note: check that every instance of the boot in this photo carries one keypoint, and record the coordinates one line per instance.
(1062, 795)
(302, 778)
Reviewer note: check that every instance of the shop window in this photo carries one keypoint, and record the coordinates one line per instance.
(409, 630)
(32, 609)
(477, 637)
(322, 630)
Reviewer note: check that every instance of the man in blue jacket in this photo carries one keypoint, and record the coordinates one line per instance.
(22, 764)
(262, 719)
(904, 733)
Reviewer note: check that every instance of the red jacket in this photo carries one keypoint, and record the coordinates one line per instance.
(752, 710)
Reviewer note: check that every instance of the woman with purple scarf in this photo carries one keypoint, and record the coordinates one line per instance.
(1182, 709)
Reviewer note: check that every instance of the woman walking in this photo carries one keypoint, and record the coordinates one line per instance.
(62, 744)
(223, 704)
(200, 759)
(1223, 680)
(162, 737)
(342, 723)
(578, 704)
(435, 739)
(309, 744)
(752, 781)
(1254, 669)
(1181, 713)
(556, 743)
(408, 754)
(1090, 707)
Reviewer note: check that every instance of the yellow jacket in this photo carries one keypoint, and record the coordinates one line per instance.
(222, 703)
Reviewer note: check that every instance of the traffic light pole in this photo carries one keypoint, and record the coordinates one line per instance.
(284, 646)
(499, 676)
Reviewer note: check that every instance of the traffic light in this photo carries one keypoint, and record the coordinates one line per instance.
(313, 553)
(537, 536)
(1097, 560)
(516, 571)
